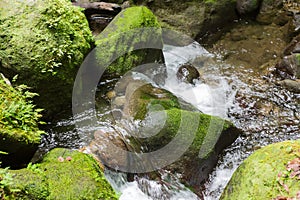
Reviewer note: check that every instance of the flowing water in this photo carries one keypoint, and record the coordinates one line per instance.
(265, 112)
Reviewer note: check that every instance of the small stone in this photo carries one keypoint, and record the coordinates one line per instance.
(188, 73)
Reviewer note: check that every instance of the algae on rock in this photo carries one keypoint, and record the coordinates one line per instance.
(44, 42)
(132, 28)
(264, 174)
(78, 177)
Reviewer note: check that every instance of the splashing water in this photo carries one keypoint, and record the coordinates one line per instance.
(265, 113)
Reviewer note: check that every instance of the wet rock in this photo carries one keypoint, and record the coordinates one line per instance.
(293, 46)
(247, 6)
(99, 14)
(141, 96)
(188, 73)
(101, 147)
(163, 117)
(289, 66)
(62, 174)
(266, 174)
(201, 155)
(291, 85)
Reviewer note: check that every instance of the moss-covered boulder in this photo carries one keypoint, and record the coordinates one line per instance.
(200, 20)
(164, 119)
(268, 173)
(210, 136)
(127, 31)
(44, 42)
(62, 174)
(19, 120)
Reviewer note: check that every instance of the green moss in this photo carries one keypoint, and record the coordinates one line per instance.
(44, 42)
(44, 38)
(79, 178)
(147, 96)
(19, 118)
(257, 177)
(205, 129)
(122, 35)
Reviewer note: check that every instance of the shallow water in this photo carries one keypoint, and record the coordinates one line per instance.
(249, 98)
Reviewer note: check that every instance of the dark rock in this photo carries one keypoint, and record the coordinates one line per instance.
(188, 73)
(99, 14)
(247, 6)
(99, 8)
(289, 67)
(293, 46)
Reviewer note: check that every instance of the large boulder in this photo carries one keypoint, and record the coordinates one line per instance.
(115, 45)
(200, 20)
(62, 174)
(164, 119)
(44, 42)
(19, 120)
(269, 173)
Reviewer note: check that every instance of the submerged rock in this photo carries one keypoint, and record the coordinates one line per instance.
(44, 42)
(188, 73)
(267, 174)
(19, 120)
(291, 85)
(62, 174)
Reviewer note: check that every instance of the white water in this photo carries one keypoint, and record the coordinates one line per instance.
(214, 99)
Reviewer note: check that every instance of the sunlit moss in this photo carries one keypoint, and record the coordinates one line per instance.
(122, 35)
(19, 119)
(80, 178)
(258, 176)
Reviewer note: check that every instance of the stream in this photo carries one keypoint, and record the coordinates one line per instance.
(249, 98)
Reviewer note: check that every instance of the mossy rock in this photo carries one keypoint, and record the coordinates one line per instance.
(199, 19)
(258, 177)
(210, 136)
(44, 42)
(62, 174)
(128, 30)
(19, 120)
(164, 118)
(147, 97)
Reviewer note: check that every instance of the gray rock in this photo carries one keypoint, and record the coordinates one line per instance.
(247, 6)
(188, 73)
(291, 85)
(289, 67)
